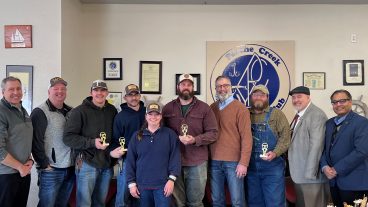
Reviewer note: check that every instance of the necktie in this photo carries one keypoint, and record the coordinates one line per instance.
(293, 124)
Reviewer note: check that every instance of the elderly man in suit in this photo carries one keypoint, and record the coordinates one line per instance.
(307, 139)
(345, 157)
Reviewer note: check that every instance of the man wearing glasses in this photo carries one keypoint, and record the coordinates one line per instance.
(271, 138)
(345, 157)
(128, 120)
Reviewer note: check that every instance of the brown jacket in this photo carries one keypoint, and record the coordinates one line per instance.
(202, 126)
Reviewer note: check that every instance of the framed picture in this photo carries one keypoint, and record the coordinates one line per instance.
(115, 98)
(113, 68)
(18, 36)
(150, 77)
(353, 72)
(197, 83)
(314, 80)
(25, 75)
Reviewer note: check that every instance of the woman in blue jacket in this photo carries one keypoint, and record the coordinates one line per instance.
(153, 161)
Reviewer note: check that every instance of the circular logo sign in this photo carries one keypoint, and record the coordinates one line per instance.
(250, 65)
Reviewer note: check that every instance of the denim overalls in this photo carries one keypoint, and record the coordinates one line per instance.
(265, 179)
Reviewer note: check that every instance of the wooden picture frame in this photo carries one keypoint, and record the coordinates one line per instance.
(18, 36)
(314, 80)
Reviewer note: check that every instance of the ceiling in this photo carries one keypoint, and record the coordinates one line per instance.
(225, 2)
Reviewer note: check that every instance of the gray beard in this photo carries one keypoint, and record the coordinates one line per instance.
(222, 98)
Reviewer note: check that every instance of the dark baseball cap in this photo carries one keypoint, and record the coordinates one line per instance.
(99, 84)
(56, 80)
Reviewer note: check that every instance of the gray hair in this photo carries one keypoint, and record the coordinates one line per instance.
(222, 77)
(7, 79)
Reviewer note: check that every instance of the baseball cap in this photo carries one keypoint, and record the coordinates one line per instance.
(262, 88)
(131, 88)
(185, 76)
(99, 84)
(56, 80)
(153, 107)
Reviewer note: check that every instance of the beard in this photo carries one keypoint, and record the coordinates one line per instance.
(185, 96)
(259, 105)
(223, 97)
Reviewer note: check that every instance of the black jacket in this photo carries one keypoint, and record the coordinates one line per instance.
(84, 125)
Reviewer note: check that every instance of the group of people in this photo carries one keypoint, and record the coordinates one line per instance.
(165, 153)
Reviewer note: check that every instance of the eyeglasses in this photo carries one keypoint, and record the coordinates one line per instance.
(341, 101)
(223, 86)
(259, 95)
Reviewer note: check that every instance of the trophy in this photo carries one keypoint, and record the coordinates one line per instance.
(184, 129)
(264, 150)
(122, 144)
(103, 138)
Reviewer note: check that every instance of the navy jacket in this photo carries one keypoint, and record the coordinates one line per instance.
(349, 153)
(152, 159)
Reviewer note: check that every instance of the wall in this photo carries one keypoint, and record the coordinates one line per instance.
(177, 36)
(44, 16)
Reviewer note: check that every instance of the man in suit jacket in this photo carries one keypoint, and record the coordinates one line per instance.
(345, 157)
(307, 140)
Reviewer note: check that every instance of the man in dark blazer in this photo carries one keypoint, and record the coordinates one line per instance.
(345, 156)
(307, 141)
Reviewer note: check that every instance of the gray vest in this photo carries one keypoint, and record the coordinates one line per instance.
(55, 149)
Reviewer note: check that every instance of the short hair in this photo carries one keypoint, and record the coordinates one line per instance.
(347, 93)
(7, 79)
(222, 77)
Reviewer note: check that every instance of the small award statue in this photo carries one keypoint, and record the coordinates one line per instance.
(184, 129)
(122, 144)
(103, 139)
(264, 150)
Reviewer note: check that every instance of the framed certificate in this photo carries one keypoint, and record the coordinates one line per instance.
(25, 75)
(314, 80)
(113, 68)
(353, 72)
(115, 98)
(150, 77)
(196, 84)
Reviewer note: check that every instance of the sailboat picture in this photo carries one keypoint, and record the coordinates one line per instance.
(18, 36)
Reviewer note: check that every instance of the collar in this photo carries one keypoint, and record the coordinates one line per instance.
(147, 132)
(192, 103)
(51, 106)
(225, 103)
(9, 105)
(301, 113)
(339, 119)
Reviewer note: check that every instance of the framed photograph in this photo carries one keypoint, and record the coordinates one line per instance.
(113, 69)
(353, 72)
(25, 75)
(115, 98)
(197, 83)
(314, 80)
(18, 36)
(150, 77)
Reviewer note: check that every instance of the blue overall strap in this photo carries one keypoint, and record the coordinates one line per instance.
(267, 117)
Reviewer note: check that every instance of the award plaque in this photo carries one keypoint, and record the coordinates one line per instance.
(264, 150)
(122, 144)
(103, 138)
(184, 129)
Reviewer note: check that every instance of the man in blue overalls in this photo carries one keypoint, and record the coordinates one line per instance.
(271, 138)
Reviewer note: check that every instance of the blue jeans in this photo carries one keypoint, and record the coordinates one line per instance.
(221, 171)
(123, 197)
(55, 186)
(190, 186)
(154, 197)
(266, 182)
(92, 185)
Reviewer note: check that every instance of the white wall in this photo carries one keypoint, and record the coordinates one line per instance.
(177, 36)
(44, 16)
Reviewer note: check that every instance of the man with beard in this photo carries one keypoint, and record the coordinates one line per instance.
(195, 124)
(345, 156)
(307, 139)
(271, 138)
(230, 154)
(129, 119)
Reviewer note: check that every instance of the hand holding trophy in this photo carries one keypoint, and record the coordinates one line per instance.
(122, 144)
(264, 150)
(103, 139)
(184, 129)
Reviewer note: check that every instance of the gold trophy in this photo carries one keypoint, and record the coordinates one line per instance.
(184, 129)
(264, 150)
(103, 139)
(122, 144)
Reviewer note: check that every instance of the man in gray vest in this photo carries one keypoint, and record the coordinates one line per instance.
(15, 145)
(53, 157)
